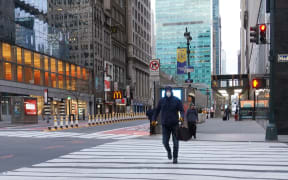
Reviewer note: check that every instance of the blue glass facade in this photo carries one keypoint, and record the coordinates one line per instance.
(172, 17)
(217, 37)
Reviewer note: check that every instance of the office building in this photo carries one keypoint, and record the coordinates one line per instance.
(172, 17)
(216, 38)
(139, 50)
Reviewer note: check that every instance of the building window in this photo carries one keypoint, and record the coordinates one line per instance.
(37, 79)
(84, 74)
(60, 67)
(27, 58)
(6, 51)
(46, 63)
(53, 65)
(67, 69)
(46, 78)
(73, 74)
(37, 60)
(8, 71)
(73, 84)
(78, 72)
(68, 86)
(60, 82)
(19, 73)
(53, 80)
(19, 55)
(28, 75)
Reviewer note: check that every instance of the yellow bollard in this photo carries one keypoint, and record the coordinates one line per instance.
(55, 123)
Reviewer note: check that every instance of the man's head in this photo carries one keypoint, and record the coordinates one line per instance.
(168, 91)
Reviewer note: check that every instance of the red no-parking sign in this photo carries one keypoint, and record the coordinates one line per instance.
(154, 66)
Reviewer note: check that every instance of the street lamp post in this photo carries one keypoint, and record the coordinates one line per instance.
(189, 38)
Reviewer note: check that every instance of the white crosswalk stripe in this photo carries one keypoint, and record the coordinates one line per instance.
(146, 159)
(40, 134)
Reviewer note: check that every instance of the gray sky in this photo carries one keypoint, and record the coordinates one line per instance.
(230, 18)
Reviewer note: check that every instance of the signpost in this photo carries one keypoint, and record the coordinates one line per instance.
(154, 67)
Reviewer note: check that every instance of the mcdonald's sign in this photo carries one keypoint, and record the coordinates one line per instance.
(117, 95)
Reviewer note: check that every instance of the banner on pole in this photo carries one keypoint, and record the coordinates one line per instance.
(181, 60)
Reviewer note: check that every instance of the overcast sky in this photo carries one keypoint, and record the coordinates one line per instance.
(230, 17)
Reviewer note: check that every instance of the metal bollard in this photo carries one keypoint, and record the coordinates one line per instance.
(76, 122)
(89, 120)
(61, 122)
(67, 122)
(113, 118)
(97, 119)
(71, 122)
(55, 122)
(93, 120)
(48, 122)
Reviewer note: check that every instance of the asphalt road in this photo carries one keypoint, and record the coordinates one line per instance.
(17, 152)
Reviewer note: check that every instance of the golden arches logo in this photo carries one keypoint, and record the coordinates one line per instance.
(117, 95)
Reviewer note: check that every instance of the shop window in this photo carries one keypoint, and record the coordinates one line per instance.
(73, 84)
(60, 67)
(8, 71)
(28, 75)
(84, 74)
(73, 73)
(37, 60)
(19, 73)
(60, 82)
(68, 86)
(19, 55)
(37, 79)
(27, 58)
(6, 51)
(46, 78)
(46, 63)
(53, 65)
(67, 69)
(78, 72)
(54, 80)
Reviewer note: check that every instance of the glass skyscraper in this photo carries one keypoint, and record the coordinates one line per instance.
(172, 17)
(217, 38)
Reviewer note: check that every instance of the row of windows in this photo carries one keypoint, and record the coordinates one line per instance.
(22, 65)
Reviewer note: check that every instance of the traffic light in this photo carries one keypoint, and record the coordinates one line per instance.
(254, 34)
(262, 28)
(259, 83)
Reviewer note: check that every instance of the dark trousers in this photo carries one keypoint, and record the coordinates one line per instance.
(192, 128)
(166, 132)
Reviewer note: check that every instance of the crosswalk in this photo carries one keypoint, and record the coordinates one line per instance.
(40, 134)
(146, 159)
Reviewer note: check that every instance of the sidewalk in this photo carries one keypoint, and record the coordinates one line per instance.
(231, 131)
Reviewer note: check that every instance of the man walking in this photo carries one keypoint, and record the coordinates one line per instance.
(169, 107)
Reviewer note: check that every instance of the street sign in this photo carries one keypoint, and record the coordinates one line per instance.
(45, 96)
(283, 58)
(189, 69)
(154, 67)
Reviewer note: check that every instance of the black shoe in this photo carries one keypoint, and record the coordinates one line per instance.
(175, 161)
(169, 155)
